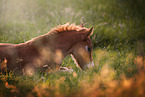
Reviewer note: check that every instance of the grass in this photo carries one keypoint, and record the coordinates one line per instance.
(118, 42)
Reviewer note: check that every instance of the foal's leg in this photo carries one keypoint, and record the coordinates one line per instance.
(65, 69)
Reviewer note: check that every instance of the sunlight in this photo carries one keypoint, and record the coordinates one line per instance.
(28, 70)
(118, 53)
(58, 56)
(107, 74)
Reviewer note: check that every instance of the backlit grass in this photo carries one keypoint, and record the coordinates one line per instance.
(118, 42)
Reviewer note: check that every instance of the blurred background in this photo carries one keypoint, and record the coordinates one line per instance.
(118, 40)
(115, 21)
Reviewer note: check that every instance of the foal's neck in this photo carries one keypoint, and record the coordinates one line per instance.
(62, 41)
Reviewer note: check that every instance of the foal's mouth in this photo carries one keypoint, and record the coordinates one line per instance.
(88, 66)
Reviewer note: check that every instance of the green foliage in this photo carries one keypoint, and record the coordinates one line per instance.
(118, 38)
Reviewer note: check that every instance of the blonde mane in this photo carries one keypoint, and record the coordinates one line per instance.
(59, 29)
(66, 27)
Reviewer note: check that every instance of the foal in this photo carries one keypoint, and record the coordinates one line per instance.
(49, 49)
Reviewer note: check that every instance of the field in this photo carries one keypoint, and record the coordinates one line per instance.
(118, 47)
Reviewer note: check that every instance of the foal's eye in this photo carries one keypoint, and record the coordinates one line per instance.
(88, 49)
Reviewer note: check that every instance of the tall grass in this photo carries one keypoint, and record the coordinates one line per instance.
(118, 42)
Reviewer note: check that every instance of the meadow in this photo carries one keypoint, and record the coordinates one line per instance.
(118, 47)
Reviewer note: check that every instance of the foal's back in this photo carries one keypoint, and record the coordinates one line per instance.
(3, 45)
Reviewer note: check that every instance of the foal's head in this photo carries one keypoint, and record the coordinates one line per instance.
(82, 51)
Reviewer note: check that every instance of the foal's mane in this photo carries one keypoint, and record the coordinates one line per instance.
(66, 27)
(59, 29)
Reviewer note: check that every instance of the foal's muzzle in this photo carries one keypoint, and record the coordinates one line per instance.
(87, 66)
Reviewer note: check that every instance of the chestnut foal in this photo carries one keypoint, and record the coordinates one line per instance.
(49, 49)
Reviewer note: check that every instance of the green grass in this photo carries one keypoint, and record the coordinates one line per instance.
(118, 42)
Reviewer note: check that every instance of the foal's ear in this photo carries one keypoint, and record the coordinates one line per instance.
(82, 25)
(87, 33)
(90, 32)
